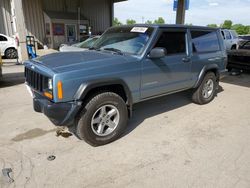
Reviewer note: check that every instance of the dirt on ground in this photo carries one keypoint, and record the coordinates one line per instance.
(169, 142)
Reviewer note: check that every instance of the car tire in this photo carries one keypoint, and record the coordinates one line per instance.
(206, 92)
(11, 53)
(103, 119)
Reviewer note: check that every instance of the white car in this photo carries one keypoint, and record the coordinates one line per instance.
(231, 39)
(8, 47)
(82, 46)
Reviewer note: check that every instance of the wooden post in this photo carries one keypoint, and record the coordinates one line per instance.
(180, 13)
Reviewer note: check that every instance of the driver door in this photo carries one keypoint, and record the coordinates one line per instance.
(172, 72)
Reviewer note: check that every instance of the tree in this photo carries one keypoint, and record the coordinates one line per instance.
(241, 29)
(116, 22)
(130, 22)
(212, 25)
(149, 22)
(227, 24)
(160, 20)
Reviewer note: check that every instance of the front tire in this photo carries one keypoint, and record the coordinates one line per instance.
(206, 92)
(103, 119)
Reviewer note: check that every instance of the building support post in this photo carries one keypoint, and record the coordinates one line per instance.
(20, 29)
(180, 13)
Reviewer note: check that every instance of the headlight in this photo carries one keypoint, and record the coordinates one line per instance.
(50, 84)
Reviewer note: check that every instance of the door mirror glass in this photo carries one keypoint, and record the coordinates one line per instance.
(157, 53)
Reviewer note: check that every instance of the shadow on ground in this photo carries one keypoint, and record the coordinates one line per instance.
(12, 79)
(240, 79)
(150, 108)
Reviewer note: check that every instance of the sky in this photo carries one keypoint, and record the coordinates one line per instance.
(201, 12)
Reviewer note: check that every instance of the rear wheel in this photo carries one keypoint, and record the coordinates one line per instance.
(11, 53)
(103, 119)
(205, 93)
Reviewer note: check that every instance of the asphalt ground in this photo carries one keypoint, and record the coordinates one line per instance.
(169, 142)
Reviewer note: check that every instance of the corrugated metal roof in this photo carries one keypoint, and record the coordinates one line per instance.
(63, 15)
(116, 1)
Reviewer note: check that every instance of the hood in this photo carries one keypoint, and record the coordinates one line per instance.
(68, 61)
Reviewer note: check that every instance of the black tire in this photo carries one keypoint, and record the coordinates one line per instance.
(198, 96)
(11, 53)
(84, 128)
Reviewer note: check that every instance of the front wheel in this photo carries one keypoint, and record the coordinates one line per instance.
(206, 92)
(103, 119)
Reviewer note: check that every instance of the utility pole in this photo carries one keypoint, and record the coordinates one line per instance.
(180, 13)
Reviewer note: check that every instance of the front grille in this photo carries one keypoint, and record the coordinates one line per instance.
(35, 80)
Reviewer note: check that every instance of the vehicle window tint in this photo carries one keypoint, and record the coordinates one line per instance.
(2, 38)
(205, 41)
(174, 42)
(223, 35)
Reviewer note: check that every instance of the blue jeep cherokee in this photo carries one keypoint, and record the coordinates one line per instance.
(95, 90)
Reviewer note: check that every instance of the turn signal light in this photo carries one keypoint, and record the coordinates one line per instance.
(49, 95)
(59, 90)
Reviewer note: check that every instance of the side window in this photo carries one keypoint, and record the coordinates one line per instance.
(223, 34)
(2, 38)
(174, 42)
(228, 35)
(205, 41)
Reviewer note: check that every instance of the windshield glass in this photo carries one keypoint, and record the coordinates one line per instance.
(131, 40)
(87, 43)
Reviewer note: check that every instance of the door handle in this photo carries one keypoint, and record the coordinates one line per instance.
(186, 59)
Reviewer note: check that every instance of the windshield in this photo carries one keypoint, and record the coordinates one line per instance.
(131, 40)
(87, 43)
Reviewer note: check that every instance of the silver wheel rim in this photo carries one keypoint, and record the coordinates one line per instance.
(105, 120)
(208, 89)
(11, 53)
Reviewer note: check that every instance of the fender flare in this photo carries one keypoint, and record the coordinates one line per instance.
(203, 72)
(87, 86)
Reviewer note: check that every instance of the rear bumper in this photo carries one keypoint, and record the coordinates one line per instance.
(61, 114)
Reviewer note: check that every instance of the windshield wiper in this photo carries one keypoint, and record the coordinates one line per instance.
(93, 48)
(114, 50)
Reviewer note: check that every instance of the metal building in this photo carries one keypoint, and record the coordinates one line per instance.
(54, 21)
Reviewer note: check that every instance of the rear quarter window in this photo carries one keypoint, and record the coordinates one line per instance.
(2, 38)
(205, 41)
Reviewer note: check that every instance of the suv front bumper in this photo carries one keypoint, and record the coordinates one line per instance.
(61, 114)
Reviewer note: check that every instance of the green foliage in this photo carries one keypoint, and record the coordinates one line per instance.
(227, 24)
(160, 20)
(212, 25)
(130, 22)
(241, 29)
(116, 22)
(148, 22)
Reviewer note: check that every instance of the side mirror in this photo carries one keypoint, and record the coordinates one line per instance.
(157, 53)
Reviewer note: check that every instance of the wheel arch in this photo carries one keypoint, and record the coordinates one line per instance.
(115, 85)
(8, 48)
(208, 68)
